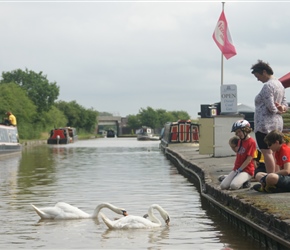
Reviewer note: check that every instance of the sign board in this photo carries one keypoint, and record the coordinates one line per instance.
(229, 98)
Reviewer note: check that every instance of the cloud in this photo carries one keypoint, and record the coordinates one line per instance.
(122, 56)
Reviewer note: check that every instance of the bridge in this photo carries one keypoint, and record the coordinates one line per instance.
(117, 122)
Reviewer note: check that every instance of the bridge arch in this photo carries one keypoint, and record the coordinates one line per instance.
(110, 120)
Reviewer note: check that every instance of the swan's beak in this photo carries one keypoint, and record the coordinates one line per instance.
(167, 221)
(125, 213)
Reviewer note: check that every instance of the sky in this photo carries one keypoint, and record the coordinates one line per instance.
(124, 56)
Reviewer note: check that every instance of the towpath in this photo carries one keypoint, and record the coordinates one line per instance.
(268, 213)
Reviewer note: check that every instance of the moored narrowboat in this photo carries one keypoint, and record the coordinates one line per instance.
(180, 132)
(63, 135)
(110, 133)
(146, 134)
(9, 139)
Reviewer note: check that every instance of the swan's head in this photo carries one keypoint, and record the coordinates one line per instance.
(167, 220)
(162, 212)
(115, 209)
(124, 212)
(165, 216)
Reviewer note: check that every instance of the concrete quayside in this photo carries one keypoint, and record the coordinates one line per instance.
(262, 216)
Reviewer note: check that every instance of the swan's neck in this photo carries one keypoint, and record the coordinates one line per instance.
(101, 206)
(152, 217)
(97, 210)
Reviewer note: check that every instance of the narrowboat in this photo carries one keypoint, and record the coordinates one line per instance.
(9, 139)
(180, 132)
(110, 133)
(63, 135)
(146, 134)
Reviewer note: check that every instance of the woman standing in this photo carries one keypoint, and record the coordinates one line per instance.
(270, 103)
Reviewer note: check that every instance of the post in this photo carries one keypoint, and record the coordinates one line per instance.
(222, 57)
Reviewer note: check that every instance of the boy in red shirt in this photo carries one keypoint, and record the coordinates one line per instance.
(279, 181)
(244, 167)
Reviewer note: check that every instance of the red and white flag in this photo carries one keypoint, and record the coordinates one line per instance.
(222, 37)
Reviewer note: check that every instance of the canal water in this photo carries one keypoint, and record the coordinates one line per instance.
(125, 172)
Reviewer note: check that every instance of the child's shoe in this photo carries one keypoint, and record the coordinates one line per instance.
(259, 188)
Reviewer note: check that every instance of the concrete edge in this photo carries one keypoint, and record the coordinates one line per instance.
(277, 232)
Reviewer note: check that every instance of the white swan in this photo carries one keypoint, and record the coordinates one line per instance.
(65, 211)
(132, 221)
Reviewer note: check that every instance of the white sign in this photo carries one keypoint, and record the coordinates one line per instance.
(229, 98)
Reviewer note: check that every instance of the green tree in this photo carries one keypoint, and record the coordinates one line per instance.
(72, 111)
(180, 115)
(89, 120)
(14, 99)
(286, 119)
(155, 118)
(133, 122)
(164, 117)
(54, 118)
(105, 114)
(149, 117)
(78, 116)
(42, 92)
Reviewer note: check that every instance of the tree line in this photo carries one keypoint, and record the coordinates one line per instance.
(155, 118)
(286, 119)
(33, 100)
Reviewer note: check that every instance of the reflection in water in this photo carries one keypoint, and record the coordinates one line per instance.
(125, 172)
(228, 230)
(37, 167)
(158, 235)
(8, 173)
(151, 236)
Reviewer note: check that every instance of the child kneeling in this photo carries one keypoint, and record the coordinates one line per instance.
(244, 167)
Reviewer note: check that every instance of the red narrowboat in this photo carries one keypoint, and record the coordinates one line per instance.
(179, 132)
(63, 135)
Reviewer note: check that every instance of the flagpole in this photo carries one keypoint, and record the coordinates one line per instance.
(222, 57)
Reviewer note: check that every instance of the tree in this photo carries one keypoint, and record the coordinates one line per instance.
(72, 111)
(105, 114)
(164, 117)
(89, 120)
(286, 119)
(14, 99)
(54, 118)
(148, 117)
(42, 93)
(78, 116)
(133, 122)
(155, 118)
(180, 115)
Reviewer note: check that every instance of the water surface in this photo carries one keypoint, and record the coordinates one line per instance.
(125, 172)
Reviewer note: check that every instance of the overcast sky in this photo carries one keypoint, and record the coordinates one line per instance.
(121, 56)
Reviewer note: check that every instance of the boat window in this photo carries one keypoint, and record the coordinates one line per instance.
(3, 135)
(8, 135)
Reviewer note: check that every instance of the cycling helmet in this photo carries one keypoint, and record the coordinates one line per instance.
(240, 124)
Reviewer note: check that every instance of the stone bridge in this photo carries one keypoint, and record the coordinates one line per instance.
(116, 121)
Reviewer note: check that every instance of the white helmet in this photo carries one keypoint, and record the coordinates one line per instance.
(240, 124)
